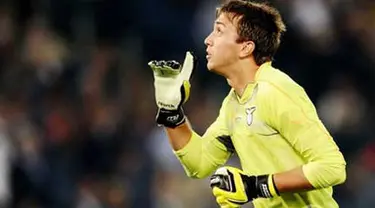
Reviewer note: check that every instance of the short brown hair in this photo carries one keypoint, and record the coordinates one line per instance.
(257, 22)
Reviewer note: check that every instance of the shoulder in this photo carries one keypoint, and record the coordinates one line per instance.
(275, 82)
(279, 91)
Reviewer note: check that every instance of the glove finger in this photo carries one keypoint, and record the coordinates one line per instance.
(214, 181)
(159, 71)
(161, 68)
(218, 192)
(232, 205)
(221, 201)
(188, 66)
(155, 66)
(173, 65)
(152, 64)
(224, 203)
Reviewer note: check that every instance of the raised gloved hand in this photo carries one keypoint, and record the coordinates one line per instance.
(172, 89)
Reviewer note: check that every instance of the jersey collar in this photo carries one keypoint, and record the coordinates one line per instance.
(250, 87)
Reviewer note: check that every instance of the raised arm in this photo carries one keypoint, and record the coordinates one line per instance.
(200, 156)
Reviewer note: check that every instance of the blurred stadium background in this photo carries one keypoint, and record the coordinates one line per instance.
(77, 105)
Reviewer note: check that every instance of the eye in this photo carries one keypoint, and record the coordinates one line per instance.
(218, 30)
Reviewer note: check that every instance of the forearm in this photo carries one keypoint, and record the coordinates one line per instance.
(291, 181)
(313, 175)
(180, 136)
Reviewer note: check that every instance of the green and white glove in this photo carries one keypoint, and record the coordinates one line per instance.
(172, 89)
(233, 188)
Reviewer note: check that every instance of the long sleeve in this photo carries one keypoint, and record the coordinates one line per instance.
(202, 155)
(291, 112)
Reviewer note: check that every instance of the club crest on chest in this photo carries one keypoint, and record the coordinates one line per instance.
(250, 115)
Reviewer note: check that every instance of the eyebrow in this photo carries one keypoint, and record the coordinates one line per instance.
(219, 23)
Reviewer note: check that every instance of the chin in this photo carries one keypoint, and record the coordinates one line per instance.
(210, 66)
(215, 69)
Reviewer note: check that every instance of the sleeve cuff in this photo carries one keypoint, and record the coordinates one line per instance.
(309, 170)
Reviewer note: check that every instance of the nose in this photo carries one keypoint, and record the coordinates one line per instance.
(208, 41)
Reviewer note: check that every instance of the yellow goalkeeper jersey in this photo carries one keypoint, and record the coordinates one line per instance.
(273, 127)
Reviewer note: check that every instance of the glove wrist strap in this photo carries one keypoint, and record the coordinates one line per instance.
(272, 187)
(262, 186)
(170, 118)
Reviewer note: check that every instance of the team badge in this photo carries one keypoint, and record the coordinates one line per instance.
(249, 113)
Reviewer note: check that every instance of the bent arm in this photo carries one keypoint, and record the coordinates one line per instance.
(295, 117)
(325, 167)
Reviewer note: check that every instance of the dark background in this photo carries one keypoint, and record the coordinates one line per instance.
(77, 106)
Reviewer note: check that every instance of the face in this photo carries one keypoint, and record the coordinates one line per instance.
(222, 48)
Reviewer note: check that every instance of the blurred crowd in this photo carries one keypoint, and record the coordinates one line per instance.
(77, 107)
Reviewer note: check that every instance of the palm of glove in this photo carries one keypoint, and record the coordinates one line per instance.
(229, 188)
(171, 82)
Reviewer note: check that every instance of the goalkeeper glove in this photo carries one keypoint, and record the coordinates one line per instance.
(172, 89)
(233, 188)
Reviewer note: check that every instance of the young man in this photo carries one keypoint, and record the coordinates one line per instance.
(288, 157)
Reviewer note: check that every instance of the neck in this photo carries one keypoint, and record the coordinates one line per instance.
(241, 75)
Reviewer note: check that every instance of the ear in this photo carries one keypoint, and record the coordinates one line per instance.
(247, 49)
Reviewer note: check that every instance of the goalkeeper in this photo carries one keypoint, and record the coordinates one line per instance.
(288, 157)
